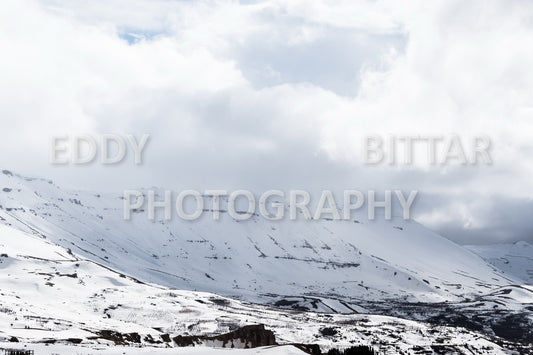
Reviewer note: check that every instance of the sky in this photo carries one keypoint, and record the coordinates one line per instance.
(280, 94)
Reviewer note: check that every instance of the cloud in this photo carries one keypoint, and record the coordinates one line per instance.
(279, 94)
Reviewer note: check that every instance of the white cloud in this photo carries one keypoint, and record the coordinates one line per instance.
(276, 94)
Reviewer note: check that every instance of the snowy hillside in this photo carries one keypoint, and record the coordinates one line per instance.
(82, 248)
(74, 305)
(46, 349)
(515, 260)
(256, 260)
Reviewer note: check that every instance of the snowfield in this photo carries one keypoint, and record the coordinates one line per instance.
(76, 276)
(45, 349)
(347, 260)
(48, 295)
(514, 259)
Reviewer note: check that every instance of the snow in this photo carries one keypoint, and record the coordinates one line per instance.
(54, 349)
(336, 260)
(71, 267)
(514, 259)
(50, 299)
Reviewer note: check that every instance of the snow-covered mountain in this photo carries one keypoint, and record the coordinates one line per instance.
(514, 259)
(395, 275)
(51, 296)
(337, 260)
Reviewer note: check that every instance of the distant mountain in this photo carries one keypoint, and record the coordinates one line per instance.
(341, 262)
(73, 268)
(515, 260)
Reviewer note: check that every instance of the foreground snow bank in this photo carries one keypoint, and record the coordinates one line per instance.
(43, 349)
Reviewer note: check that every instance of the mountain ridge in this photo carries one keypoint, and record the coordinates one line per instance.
(356, 259)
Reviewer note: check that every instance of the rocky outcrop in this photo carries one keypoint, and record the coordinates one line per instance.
(250, 336)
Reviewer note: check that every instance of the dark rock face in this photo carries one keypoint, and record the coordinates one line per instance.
(251, 336)
(117, 337)
(187, 340)
(328, 331)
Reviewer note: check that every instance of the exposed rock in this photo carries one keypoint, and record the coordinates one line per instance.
(250, 336)
(117, 337)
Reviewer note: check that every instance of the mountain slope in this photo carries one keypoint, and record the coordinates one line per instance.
(49, 295)
(335, 260)
(515, 259)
